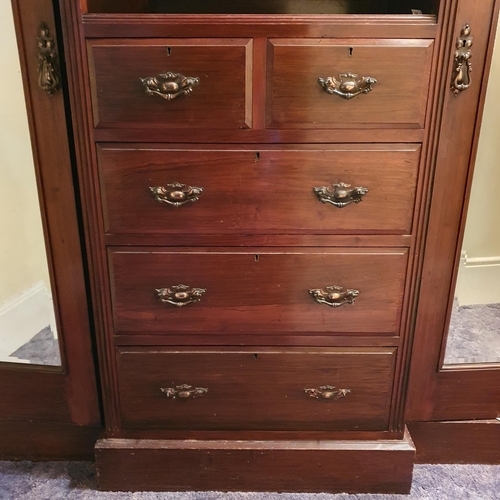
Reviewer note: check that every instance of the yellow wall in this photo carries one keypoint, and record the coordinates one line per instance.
(479, 271)
(482, 236)
(22, 253)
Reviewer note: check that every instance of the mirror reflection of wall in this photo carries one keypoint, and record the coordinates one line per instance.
(474, 333)
(27, 321)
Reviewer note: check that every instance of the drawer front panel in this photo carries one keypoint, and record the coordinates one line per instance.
(296, 99)
(221, 98)
(264, 389)
(266, 191)
(257, 291)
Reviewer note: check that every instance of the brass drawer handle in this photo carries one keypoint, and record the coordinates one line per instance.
(462, 65)
(48, 78)
(169, 85)
(340, 195)
(180, 295)
(176, 194)
(327, 392)
(348, 85)
(334, 296)
(184, 391)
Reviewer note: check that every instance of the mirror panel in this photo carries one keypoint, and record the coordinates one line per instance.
(474, 331)
(28, 332)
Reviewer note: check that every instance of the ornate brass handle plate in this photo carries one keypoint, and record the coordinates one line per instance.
(327, 392)
(176, 194)
(340, 195)
(462, 65)
(334, 296)
(48, 78)
(184, 391)
(169, 85)
(348, 85)
(180, 295)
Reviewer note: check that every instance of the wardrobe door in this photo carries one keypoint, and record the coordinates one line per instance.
(455, 371)
(49, 405)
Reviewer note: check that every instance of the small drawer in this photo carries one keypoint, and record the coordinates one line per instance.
(261, 190)
(178, 83)
(364, 83)
(257, 290)
(263, 389)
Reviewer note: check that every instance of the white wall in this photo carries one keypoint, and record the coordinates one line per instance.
(23, 262)
(479, 273)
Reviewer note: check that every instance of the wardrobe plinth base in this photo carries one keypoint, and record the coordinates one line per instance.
(382, 466)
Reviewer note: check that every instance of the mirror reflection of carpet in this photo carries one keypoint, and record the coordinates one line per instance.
(42, 349)
(474, 334)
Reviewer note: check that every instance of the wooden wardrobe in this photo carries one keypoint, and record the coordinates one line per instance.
(272, 198)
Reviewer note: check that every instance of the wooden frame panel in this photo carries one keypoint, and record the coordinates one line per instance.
(457, 442)
(451, 393)
(49, 395)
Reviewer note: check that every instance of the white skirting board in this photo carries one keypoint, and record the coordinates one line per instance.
(478, 280)
(22, 317)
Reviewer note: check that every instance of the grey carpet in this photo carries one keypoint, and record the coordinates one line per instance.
(474, 334)
(77, 481)
(42, 349)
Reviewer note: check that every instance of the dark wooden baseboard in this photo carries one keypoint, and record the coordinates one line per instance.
(293, 466)
(472, 442)
(38, 440)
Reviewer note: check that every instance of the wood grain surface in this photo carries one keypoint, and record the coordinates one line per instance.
(261, 389)
(383, 466)
(258, 190)
(457, 442)
(222, 99)
(296, 100)
(65, 395)
(468, 391)
(257, 291)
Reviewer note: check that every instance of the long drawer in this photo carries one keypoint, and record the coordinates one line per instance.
(345, 83)
(266, 389)
(257, 290)
(171, 83)
(291, 189)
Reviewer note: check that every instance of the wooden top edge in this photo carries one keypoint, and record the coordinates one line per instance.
(461, 367)
(354, 19)
(443, 423)
(249, 250)
(404, 444)
(355, 147)
(355, 351)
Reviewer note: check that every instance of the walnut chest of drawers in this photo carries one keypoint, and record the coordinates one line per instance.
(253, 190)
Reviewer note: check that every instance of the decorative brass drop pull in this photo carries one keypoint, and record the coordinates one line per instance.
(340, 195)
(184, 391)
(176, 194)
(169, 85)
(462, 66)
(180, 295)
(48, 78)
(348, 85)
(334, 296)
(327, 392)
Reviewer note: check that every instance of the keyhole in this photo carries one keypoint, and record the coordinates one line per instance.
(169, 51)
(257, 258)
(350, 51)
(257, 156)
(255, 356)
